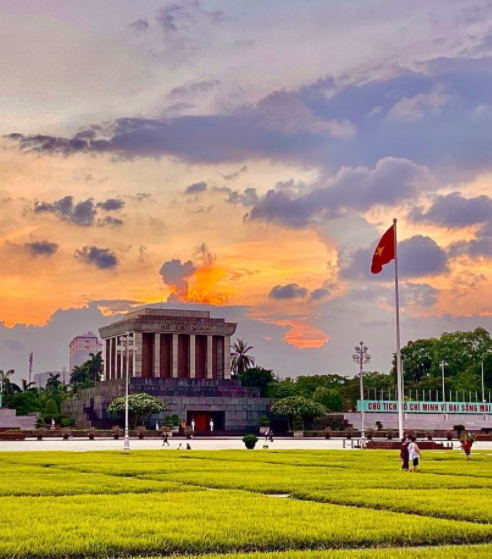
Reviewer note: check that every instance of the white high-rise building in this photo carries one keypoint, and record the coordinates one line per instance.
(40, 379)
(81, 348)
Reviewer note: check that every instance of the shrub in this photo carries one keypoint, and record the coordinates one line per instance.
(40, 424)
(140, 406)
(298, 405)
(298, 423)
(379, 425)
(449, 435)
(168, 420)
(67, 422)
(175, 418)
(390, 434)
(91, 433)
(334, 425)
(250, 441)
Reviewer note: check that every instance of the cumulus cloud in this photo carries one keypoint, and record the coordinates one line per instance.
(102, 258)
(196, 188)
(289, 291)
(111, 204)
(181, 17)
(351, 127)
(455, 211)
(41, 248)
(418, 256)
(176, 274)
(391, 182)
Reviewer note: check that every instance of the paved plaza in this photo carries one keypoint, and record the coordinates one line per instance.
(225, 443)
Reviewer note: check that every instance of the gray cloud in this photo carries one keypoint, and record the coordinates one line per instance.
(102, 258)
(196, 188)
(112, 204)
(140, 26)
(389, 183)
(418, 256)
(181, 17)
(418, 295)
(455, 211)
(319, 294)
(249, 197)
(109, 221)
(83, 213)
(175, 273)
(236, 174)
(289, 291)
(41, 248)
(194, 88)
(476, 248)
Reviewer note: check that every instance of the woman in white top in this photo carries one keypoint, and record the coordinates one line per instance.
(414, 454)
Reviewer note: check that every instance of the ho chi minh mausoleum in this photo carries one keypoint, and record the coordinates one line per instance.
(181, 357)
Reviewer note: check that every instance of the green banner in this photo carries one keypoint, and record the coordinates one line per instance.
(391, 406)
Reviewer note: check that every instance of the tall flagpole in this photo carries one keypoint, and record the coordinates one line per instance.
(398, 357)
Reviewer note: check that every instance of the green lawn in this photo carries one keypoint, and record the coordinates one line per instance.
(253, 505)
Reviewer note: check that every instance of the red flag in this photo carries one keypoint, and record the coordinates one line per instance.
(385, 251)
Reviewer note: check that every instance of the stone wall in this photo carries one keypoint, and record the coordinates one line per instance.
(242, 406)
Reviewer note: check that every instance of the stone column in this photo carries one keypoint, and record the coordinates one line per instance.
(192, 355)
(137, 356)
(175, 355)
(105, 362)
(111, 372)
(227, 357)
(210, 352)
(157, 355)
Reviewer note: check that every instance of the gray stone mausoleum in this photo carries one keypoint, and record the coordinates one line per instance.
(181, 357)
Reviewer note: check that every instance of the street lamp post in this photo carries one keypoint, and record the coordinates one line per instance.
(443, 364)
(483, 386)
(361, 357)
(126, 347)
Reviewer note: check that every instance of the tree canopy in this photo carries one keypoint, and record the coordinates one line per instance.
(140, 407)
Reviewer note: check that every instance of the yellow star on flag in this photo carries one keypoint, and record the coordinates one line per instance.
(379, 251)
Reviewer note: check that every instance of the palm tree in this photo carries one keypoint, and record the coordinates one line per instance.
(94, 366)
(28, 386)
(7, 387)
(240, 360)
(80, 374)
(53, 382)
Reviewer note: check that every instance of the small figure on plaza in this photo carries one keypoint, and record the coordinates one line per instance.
(211, 425)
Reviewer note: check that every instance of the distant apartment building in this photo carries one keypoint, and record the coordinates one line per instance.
(81, 348)
(40, 379)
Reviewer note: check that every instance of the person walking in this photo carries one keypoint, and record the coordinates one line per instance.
(404, 455)
(415, 454)
(466, 444)
(165, 439)
(267, 434)
(271, 435)
(52, 428)
(211, 425)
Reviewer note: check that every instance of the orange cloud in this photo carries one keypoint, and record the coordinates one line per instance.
(303, 335)
(205, 286)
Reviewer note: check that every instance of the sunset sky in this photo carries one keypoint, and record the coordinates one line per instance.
(245, 157)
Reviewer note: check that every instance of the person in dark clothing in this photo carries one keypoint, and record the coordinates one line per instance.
(270, 436)
(165, 438)
(404, 455)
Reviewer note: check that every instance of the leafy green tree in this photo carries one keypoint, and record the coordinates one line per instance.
(298, 405)
(259, 377)
(282, 389)
(418, 357)
(140, 407)
(330, 398)
(51, 409)
(241, 361)
(80, 375)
